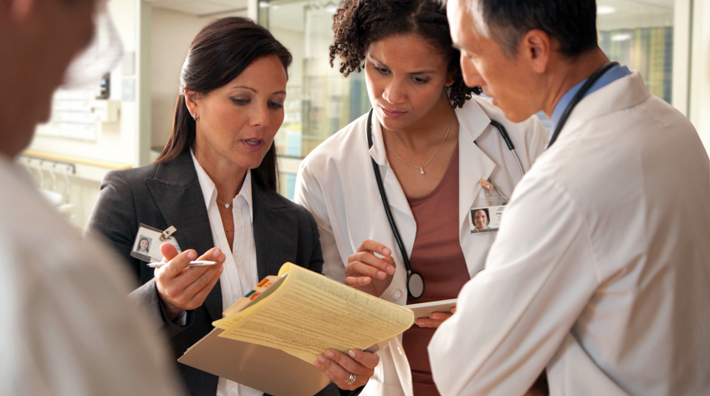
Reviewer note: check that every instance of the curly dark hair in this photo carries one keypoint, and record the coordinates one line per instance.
(358, 23)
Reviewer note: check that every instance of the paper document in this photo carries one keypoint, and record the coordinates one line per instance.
(305, 313)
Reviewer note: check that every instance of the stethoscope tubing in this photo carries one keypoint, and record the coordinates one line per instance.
(411, 276)
(578, 97)
(390, 217)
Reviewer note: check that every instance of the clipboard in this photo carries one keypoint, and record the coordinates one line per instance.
(266, 369)
(423, 310)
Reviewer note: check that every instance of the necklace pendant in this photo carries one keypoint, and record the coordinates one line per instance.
(421, 171)
(227, 206)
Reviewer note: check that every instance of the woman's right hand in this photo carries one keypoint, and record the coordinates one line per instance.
(182, 288)
(367, 272)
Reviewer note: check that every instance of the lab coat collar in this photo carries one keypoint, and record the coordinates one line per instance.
(627, 92)
(377, 151)
(472, 122)
(474, 164)
(395, 194)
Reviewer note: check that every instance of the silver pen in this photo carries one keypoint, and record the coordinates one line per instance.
(192, 264)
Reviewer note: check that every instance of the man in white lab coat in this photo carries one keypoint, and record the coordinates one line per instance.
(68, 327)
(600, 271)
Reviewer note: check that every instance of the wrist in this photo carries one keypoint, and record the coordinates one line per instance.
(171, 311)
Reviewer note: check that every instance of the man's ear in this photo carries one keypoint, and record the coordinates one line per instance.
(17, 11)
(536, 48)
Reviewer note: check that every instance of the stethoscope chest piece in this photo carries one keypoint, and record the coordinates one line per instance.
(415, 284)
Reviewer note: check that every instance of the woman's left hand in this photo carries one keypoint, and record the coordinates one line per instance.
(435, 319)
(339, 367)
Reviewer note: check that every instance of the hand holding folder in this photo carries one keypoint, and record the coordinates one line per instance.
(287, 325)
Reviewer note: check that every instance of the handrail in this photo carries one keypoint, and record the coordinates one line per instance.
(73, 160)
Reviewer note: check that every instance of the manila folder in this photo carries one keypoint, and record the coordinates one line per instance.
(266, 369)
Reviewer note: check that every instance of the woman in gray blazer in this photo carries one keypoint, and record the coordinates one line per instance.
(215, 182)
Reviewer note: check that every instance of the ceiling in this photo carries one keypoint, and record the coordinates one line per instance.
(201, 7)
(289, 14)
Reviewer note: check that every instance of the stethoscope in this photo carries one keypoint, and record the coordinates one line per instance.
(578, 97)
(415, 281)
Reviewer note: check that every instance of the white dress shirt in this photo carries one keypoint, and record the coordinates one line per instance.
(601, 268)
(240, 273)
(68, 326)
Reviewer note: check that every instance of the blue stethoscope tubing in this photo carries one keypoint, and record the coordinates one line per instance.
(415, 281)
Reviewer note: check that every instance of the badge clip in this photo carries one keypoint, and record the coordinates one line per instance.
(167, 233)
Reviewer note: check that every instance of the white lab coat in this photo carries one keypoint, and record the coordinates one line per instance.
(601, 269)
(337, 184)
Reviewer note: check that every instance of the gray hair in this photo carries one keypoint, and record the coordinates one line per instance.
(571, 22)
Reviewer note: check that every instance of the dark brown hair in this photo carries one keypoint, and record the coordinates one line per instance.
(358, 23)
(217, 55)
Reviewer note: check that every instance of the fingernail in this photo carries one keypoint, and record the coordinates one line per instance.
(386, 251)
(321, 359)
(351, 353)
(390, 270)
(216, 253)
(381, 275)
(330, 354)
(191, 254)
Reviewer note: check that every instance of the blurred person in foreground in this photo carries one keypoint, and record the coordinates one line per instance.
(609, 293)
(69, 327)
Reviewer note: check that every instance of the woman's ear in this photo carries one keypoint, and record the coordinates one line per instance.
(192, 101)
(450, 79)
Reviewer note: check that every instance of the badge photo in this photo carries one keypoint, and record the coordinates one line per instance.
(146, 247)
(486, 219)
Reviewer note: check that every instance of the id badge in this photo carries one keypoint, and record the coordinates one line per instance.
(486, 219)
(146, 247)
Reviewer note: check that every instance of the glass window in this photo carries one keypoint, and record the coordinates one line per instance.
(639, 34)
(320, 101)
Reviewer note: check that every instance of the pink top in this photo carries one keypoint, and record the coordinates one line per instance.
(438, 257)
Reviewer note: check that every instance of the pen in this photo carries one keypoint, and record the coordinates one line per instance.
(192, 264)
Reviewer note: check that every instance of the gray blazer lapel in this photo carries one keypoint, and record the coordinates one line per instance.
(178, 195)
(274, 229)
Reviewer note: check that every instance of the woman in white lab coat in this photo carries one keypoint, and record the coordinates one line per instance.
(440, 158)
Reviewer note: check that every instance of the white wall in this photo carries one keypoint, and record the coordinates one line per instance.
(171, 35)
(699, 109)
(158, 40)
(118, 143)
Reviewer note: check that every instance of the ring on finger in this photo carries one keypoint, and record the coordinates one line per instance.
(351, 379)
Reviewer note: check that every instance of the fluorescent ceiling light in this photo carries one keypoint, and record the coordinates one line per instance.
(621, 37)
(602, 10)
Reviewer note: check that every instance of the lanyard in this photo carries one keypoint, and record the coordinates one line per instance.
(579, 96)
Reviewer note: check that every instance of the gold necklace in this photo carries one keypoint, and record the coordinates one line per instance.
(421, 168)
